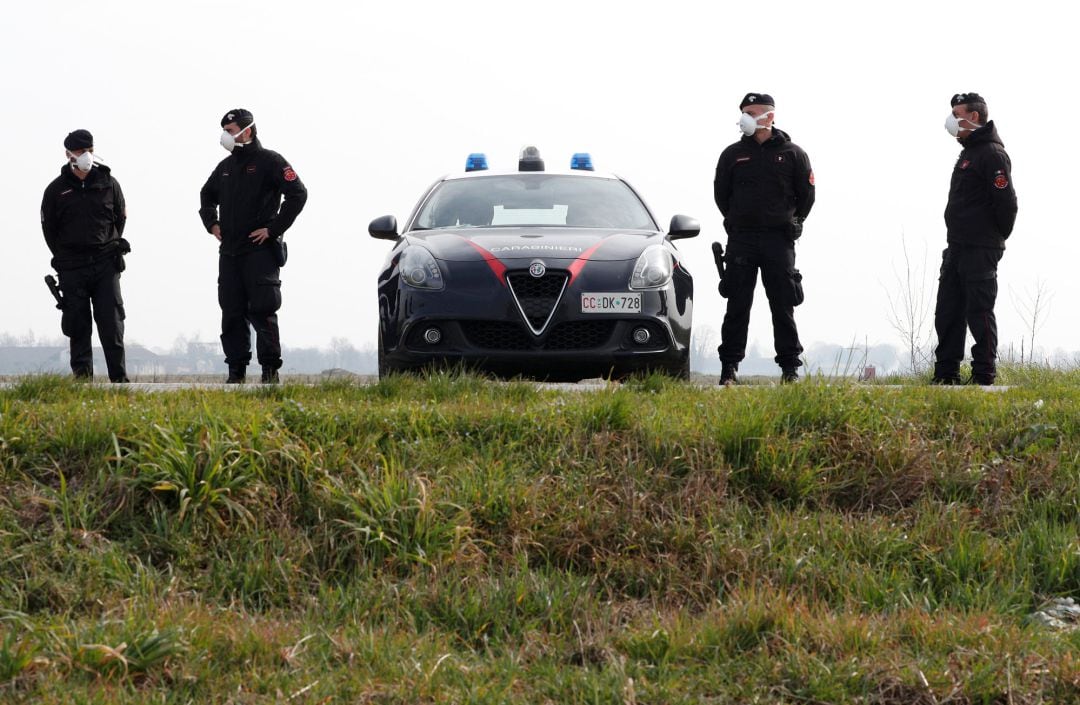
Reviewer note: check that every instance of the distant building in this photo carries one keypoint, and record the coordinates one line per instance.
(26, 360)
(201, 359)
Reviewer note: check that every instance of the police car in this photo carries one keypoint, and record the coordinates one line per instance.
(559, 275)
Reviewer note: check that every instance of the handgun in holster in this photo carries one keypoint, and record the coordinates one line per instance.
(54, 289)
(718, 257)
(280, 250)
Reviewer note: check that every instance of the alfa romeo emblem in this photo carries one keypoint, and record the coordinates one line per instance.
(537, 269)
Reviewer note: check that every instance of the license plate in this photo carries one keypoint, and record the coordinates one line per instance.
(611, 303)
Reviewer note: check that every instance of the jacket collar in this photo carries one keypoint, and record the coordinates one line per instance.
(241, 154)
(777, 138)
(985, 134)
(98, 176)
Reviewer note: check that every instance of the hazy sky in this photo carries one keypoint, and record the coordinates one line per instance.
(371, 102)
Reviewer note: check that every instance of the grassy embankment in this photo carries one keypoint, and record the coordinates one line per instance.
(453, 540)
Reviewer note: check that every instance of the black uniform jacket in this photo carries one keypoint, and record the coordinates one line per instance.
(82, 219)
(244, 194)
(982, 201)
(763, 186)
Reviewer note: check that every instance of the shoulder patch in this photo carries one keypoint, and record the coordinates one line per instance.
(811, 179)
(289, 174)
(965, 164)
(1000, 180)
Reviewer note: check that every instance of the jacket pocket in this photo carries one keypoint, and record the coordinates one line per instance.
(266, 298)
(797, 295)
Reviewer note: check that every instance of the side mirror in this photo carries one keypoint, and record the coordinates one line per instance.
(384, 228)
(683, 226)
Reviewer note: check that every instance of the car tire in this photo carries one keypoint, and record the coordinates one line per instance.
(683, 370)
(680, 370)
(384, 369)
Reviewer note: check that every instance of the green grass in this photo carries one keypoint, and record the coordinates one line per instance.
(455, 540)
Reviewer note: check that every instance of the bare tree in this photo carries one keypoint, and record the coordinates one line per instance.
(341, 350)
(702, 345)
(1033, 308)
(909, 309)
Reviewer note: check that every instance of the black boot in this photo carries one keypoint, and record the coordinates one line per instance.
(236, 375)
(269, 375)
(789, 375)
(728, 375)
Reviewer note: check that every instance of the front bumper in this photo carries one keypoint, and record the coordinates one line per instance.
(480, 324)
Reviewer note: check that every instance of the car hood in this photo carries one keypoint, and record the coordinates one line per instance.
(506, 244)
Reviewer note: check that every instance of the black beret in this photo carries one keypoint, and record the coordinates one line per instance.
(757, 99)
(241, 117)
(965, 98)
(79, 139)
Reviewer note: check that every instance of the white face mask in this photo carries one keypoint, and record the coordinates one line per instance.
(952, 125)
(749, 124)
(83, 162)
(229, 141)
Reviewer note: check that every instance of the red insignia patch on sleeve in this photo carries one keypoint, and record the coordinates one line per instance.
(289, 174)
(811, 177)
(1000, 181)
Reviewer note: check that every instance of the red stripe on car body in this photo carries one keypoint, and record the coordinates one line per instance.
(497, 267)
(578, 264)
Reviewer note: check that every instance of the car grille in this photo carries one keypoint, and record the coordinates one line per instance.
(536, 297)
(571, 335)
(579, 335)
(496, 335)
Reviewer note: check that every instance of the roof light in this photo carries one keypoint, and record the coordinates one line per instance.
(476, 161)
(530, 159)
(581, 160)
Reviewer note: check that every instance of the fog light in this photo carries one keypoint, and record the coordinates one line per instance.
(432, 336)
(641, 335)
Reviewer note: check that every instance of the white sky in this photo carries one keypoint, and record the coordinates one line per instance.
(371, 102)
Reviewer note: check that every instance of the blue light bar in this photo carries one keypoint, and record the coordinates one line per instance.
(476, 162)
(581, 160)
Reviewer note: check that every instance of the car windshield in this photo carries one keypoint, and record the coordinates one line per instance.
(534, 200)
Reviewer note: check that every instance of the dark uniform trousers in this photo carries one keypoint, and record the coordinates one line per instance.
(98, 285)
(249, 291)
(967, 291)
(773, 252)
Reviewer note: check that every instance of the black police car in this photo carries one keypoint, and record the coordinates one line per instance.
(559, 275)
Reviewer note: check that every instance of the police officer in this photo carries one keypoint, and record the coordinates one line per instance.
(241, 206)
(83, 215)
(979, 218)
(764, 187)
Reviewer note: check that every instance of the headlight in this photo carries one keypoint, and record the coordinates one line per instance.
(653, 269)
(419, 269)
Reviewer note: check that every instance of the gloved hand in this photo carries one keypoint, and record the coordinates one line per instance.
(796, 228)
